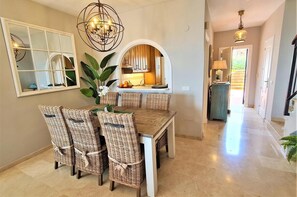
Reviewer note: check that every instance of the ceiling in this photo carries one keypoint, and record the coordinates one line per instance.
(73, 7)
(224, 13)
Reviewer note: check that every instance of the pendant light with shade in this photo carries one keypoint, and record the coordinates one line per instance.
(240, 35)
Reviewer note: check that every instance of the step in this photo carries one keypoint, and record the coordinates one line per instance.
(236, 81)
(237, 84)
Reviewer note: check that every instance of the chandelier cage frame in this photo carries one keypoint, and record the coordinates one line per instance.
(18, 44)
(100, 27)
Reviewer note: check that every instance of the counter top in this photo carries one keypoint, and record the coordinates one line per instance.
(146, 88)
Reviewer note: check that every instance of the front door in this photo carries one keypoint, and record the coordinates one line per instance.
(265, 77)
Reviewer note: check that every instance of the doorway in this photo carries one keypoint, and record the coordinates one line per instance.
(239, 58)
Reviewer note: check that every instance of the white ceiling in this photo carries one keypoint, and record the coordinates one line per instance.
(224, 13)
(73, 7)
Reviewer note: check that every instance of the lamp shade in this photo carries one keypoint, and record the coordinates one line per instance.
(219, 65)
(240, 36)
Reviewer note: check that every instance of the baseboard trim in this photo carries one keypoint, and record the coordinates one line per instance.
(276, 142)
(277, 119)
(24, 158)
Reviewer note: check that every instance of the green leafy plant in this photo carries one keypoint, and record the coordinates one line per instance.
(96, 76)
(290, 143)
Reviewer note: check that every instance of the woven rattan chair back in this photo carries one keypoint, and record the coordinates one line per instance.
(158, 101)
(126, 165)
(110, 98)
(131, 100)
(60, 135)
(90, 154)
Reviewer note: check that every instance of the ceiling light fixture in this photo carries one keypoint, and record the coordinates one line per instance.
(18, 45)
(100, 27)
(240, 35)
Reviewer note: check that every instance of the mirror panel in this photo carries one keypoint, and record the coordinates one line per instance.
(58, 78)
(68, 61)
(42, 60)
(53, 41)
(25, 63)
(56, 61)
(38, 39)
(66, 44)
(27, 81)
(19, 36)
(44, 80)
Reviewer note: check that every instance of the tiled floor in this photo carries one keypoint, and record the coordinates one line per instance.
(235, 159)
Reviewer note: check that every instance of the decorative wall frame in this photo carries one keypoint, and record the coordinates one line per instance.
(44, 62)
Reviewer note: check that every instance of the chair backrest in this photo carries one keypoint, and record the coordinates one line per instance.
(121, 136)
(158, 101)
(110, 98)
(60, 135)
(80, 124)
(55, 121)
(132, 100)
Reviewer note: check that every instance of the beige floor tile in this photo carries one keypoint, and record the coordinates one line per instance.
(235, 159)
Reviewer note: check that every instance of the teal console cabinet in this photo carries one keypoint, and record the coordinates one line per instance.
(219, 95)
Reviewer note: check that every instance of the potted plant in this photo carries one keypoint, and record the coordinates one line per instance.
(96, 76)
(290, 143)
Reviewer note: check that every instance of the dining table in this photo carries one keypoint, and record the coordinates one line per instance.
(150, 124)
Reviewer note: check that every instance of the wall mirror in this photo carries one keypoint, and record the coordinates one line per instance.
(42, 60)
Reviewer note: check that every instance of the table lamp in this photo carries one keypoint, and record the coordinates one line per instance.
(219, 65)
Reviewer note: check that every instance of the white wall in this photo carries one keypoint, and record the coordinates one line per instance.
(177, 26)
(22, 129)
(284, 60)
(271, 28)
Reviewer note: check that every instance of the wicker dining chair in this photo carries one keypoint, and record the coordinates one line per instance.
(159, 102)
(126, 161)
(60, 136)
(132, 100)
(90, 154)
(110, 98)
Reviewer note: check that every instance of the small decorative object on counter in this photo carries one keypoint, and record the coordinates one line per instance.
(126, 84)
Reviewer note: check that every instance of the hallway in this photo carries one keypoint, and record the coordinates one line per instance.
(234, 159)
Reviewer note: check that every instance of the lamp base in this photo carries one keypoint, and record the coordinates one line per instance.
(219, 75)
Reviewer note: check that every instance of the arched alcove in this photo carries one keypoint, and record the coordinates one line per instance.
(167, 63)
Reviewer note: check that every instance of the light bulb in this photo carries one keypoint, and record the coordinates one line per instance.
(15, 44)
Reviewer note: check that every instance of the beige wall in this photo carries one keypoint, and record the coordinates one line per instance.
(177, 25)
(22, 129)
(284, 60)
(225, 39)
(271, 28)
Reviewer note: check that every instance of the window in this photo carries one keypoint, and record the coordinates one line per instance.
(42, 60)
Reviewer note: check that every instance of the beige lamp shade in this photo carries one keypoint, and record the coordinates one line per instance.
(219, 65)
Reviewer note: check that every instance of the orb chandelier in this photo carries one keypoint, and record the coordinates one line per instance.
(18, 46)
(240, 35)
(100, 27)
